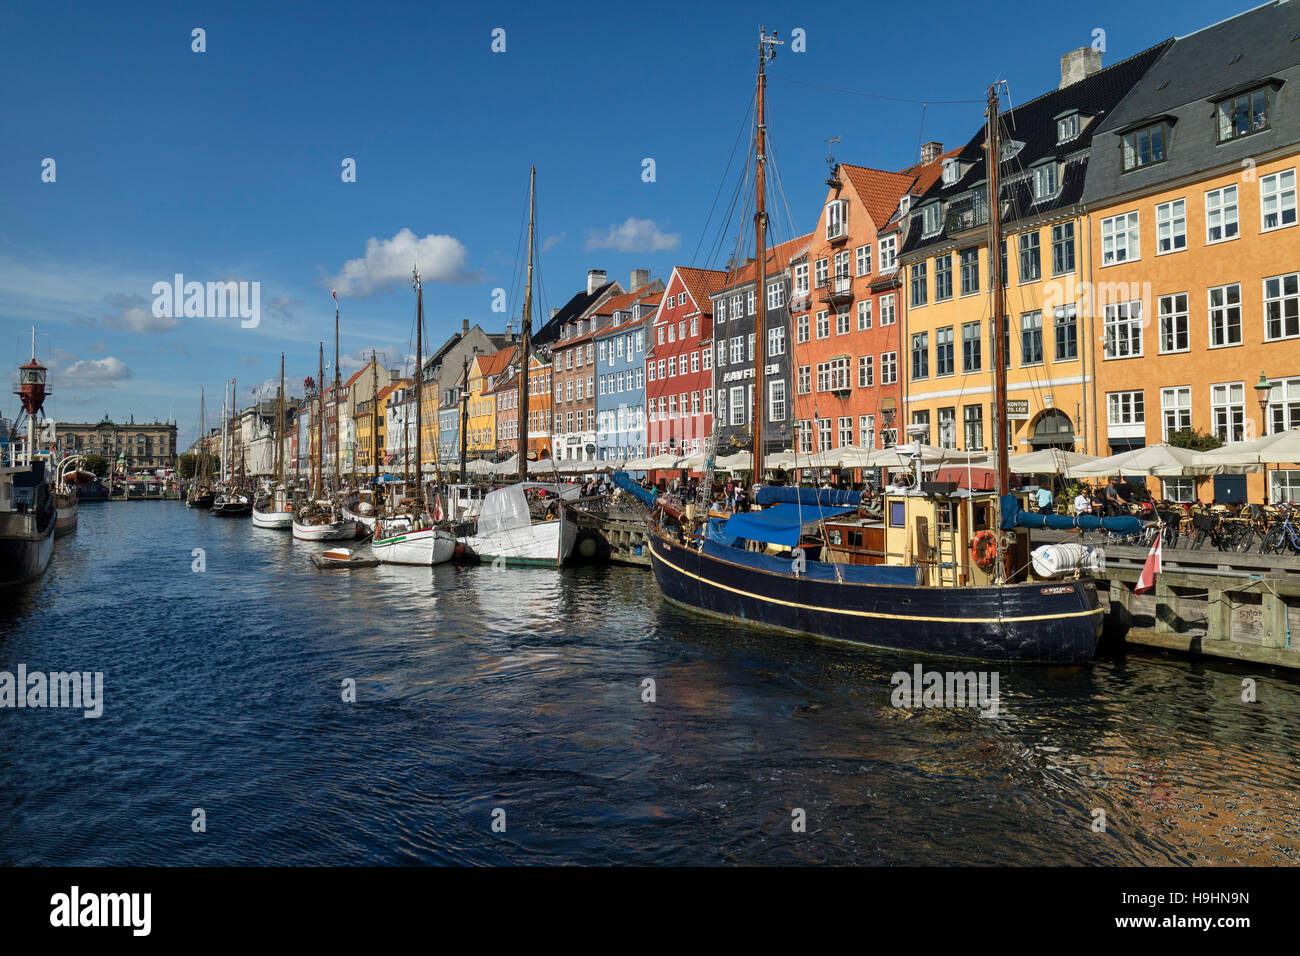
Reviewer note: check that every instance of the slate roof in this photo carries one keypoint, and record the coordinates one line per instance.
(570, 311)
(1183, 84)
(1033, 123)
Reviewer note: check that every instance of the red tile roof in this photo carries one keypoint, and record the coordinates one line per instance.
(778, 257)
(702, 283)
(878, 190)
(496, 363)
(624, 302)
(926, 174)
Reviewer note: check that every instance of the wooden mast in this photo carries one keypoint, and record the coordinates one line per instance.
(1001, 474)
(374, 427)
(279, 434)
(320, 428)
(338, 423)
(766, 51)
(419, 390)
(525, 341)
(464, 415)
(203, 446)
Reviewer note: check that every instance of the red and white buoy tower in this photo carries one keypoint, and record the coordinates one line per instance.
(32, 393)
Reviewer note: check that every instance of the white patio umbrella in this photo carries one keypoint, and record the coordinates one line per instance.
(740, 461)
(511, 464)
(1048, 461)
(1282, 448)
(543, 466)
(1160, 461)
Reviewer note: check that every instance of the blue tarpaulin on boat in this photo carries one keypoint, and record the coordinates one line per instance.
(817, 570)
(779, 524)
(713, 532)
(784, 494)
(1013, 517)
(627, 484)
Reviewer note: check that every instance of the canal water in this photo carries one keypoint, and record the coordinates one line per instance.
(517, 696)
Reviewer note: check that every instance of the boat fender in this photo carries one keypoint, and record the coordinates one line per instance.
(984, 549)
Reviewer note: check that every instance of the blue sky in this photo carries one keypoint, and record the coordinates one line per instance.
(226, 164)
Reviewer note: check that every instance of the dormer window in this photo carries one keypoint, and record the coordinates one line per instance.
(1011, 148)
(837, 219)
(1045, 184)
(931, 217)
(1144, 147)
(1067, 128)
(1242, 115)
(904, 204)
(951, 171)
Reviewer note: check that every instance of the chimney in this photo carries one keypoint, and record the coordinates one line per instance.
(930, 152)
(464, 326)
(595, 279)
(508, 325)
(1079, 65)
(640, 277)
(394, 375)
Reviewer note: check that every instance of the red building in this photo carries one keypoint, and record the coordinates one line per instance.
(679, 363)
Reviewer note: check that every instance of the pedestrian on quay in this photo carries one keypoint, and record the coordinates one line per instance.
(730, 489)
(1082, 503)
(1045, 501)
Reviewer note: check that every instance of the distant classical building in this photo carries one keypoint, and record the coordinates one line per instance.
(135, 445)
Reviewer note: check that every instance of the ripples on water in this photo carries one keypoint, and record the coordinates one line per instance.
(521, 689)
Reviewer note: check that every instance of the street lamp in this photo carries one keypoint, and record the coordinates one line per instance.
(1262, 388)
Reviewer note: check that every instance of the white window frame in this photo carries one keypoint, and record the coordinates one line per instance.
(1171, 310)
(1121, 239)
(1224, 203)
(1221, 314)
(1275, 187)
(1171, 218)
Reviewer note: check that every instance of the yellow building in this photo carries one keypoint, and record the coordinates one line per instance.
(372, 429)
(484, 374)
(1196, 250)
(947, 358)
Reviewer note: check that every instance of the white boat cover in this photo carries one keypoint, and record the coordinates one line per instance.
(507, 508)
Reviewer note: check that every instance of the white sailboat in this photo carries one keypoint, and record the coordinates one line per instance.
(413, 536)
(275, 511)
(322, 519)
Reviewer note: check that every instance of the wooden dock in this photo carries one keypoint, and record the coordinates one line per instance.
(1243, 607)
(628, 541)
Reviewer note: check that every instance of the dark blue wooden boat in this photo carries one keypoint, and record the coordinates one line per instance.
(1051, 622)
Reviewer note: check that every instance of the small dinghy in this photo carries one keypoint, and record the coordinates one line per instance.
(343, 558)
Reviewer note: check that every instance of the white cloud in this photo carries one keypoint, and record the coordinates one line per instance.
(634, 235)
(550, 242)
(388, 263)
(135, 314)
(88, 371)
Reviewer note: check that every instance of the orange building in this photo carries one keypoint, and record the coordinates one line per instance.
(539, 406)
(847, 331)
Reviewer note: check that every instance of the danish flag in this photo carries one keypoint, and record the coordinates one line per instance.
(437, 508)
(1147, 579)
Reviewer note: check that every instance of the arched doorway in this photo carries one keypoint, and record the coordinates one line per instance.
(1053, 429)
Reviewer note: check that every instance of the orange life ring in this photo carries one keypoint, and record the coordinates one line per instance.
(984, 549)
